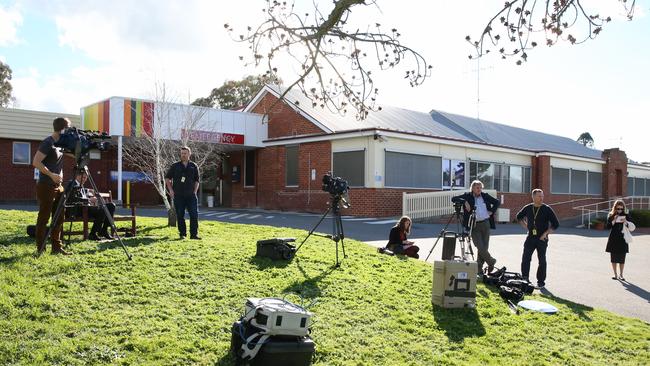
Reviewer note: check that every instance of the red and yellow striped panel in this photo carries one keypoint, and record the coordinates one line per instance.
(96, 117)
(138, 118)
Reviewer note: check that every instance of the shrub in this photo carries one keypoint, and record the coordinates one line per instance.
(640, 218)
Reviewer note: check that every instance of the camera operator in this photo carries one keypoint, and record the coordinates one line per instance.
(182, 180)
(397, 239)
(535, 218)
(485, 206)
(49, 162)
(101, 223)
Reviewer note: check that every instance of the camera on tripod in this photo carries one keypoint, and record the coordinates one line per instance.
(458, 202)
(334, 185)
(80, 142)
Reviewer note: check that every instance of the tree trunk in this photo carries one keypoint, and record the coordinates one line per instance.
(171, 217)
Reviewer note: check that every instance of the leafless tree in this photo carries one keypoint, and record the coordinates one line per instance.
(518, 22)
(173, 124)
(335, 63)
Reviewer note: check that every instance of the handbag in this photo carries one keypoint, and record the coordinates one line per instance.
(627, 231)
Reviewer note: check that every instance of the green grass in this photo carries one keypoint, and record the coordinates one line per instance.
(175, 302)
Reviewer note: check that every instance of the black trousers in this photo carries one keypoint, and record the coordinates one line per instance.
(533, 243)
(189, 203)
(100, 222)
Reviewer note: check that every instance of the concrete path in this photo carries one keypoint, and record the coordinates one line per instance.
(578, 267)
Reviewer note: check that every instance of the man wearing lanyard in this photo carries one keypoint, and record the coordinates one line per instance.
(485, 206)
(182, 180)
(535, 218)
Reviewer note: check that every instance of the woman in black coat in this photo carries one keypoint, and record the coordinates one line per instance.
(397, 239)
(617, 247)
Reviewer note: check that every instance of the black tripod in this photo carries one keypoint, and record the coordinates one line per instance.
(336, 200)
(460, 234)
(100, 203)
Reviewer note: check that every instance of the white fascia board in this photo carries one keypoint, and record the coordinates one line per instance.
(638, 166)
(570, 157)
(328, 137)
(304, 114)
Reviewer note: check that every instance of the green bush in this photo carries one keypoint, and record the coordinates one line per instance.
(640, 218)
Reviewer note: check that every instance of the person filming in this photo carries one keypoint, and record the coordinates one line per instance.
(49, 191)
(485, 206)
(397, 239)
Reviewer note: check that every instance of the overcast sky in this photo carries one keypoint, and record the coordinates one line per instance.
(68, 54)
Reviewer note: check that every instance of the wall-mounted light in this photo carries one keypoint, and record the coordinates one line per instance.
(380, 138)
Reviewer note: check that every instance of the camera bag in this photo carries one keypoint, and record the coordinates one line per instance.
(277, 248)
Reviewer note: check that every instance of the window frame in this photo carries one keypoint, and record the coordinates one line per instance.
(13, 152)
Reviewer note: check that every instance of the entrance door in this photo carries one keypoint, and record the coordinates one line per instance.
(225, 183)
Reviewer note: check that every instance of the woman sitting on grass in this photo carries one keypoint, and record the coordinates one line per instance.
(397, 242)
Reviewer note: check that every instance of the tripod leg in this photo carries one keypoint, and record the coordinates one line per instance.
(102, 204)
(335, 235)
(341, 234)
(442, 233)
(313, 229)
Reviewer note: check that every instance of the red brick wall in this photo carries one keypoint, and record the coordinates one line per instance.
(17, 182)
(284, 120)
(615, 159)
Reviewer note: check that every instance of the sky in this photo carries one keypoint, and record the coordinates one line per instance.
(69, 54)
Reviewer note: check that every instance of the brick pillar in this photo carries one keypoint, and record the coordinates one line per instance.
(541, 173)
(614, 173)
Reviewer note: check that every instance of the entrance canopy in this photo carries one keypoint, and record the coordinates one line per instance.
(120, 116)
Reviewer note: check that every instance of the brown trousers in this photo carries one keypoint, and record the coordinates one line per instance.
(48, 196)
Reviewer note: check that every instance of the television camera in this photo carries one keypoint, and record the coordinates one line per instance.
(80, 142)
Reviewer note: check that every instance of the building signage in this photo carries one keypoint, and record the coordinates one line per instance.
(130, 176)
(210, 136)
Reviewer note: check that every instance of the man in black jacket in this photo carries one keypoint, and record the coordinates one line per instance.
(485, 206)
(535, 218)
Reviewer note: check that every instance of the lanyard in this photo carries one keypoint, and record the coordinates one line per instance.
(535, 216)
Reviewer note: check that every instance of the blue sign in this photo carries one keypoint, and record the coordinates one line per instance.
(130, 176)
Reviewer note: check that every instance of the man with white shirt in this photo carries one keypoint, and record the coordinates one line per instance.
(485, 207)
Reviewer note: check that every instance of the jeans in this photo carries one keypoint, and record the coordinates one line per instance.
(189, 203)
(533, 243)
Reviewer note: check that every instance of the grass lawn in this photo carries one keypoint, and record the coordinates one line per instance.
(175, 302)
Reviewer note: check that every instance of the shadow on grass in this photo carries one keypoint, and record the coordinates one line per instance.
(227, 360)
(8, 261)
(148, 229)
(458, 324)
(115, 244)
(310, 287)
(638, 291)
(18, 239)
(578, 309)
(263, 263)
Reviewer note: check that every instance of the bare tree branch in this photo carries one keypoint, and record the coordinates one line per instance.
(322, 49)
(518, 23)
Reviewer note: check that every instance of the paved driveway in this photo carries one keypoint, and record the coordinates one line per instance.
(578, 267)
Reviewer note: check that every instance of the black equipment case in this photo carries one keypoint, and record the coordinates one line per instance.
(276, 351)
(277, 248)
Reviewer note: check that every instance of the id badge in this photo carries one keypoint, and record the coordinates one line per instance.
(534, 232)
(182, 179)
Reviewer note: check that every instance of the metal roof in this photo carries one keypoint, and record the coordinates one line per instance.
(439, 124)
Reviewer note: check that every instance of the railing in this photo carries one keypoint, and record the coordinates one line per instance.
(431, 204)
(602, 209)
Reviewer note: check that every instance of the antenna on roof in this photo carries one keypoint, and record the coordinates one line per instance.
(478, 85)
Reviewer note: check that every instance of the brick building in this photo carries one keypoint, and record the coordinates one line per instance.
(282, 162)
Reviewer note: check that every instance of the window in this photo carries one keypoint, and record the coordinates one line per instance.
(595, 183)
(249, 173)
(639, 187)
(630, 186)
(21, 153)
(453, 173)
(291, 166)
(578, 181)
(350, 166)
(414, 171)
(516, 179)
(483, 172)
(527, 185)
(560, 179)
